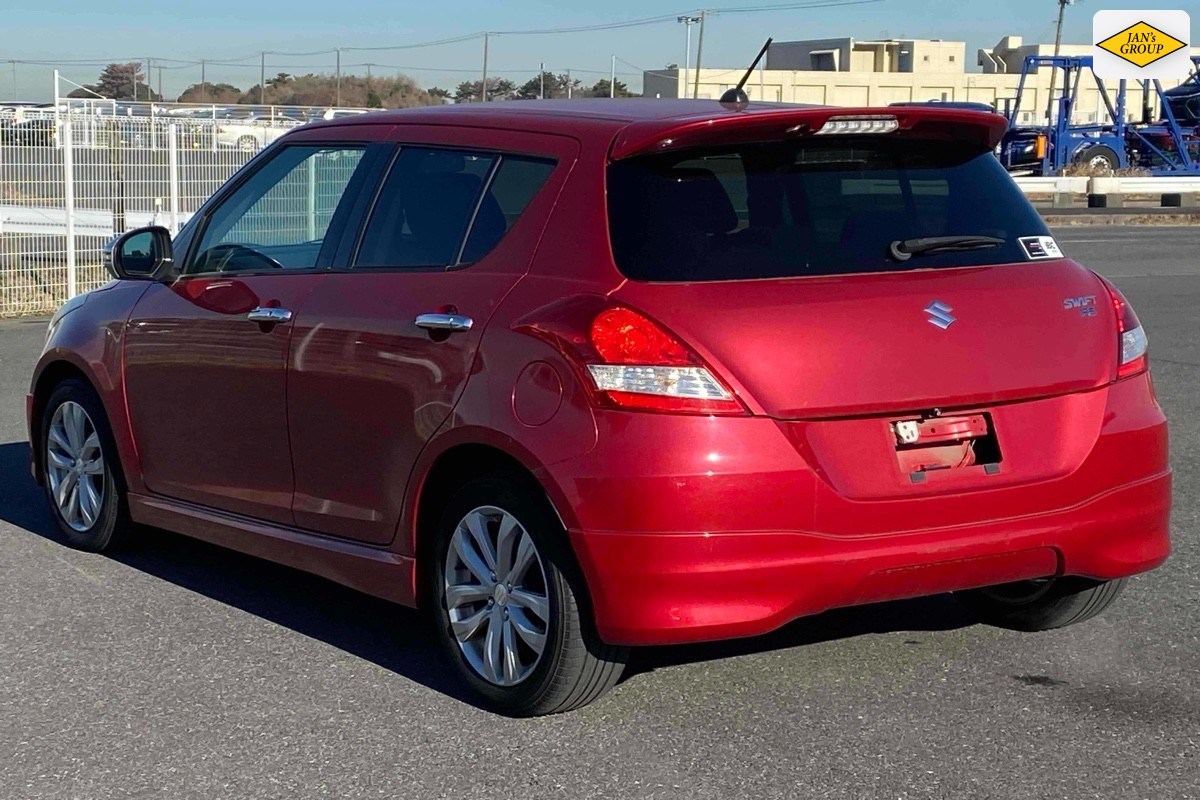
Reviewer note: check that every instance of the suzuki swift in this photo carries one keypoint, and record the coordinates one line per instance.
(575, 377)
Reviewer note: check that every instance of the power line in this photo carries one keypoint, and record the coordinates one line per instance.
(793, 6)
(604, 26)
(643, 21)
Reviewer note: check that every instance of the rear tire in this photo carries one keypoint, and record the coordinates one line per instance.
(80, 471)
(1099, 158)
(1041, 605)
(556, 661)
(247, 143)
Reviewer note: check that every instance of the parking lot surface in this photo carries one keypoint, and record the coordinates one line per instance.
(180, 670)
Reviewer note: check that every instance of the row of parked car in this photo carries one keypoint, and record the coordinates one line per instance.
(237, 128)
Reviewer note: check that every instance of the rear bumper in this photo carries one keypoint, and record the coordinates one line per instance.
(697, 528)
(668, 588)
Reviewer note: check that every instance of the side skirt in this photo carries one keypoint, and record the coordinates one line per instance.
(367, 569)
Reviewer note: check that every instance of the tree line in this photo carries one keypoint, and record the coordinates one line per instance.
(128, 82)
(548, 85)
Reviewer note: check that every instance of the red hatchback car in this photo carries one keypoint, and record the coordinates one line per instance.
(580, 376)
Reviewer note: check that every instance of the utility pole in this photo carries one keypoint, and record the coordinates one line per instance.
(203, 80)
(688, 22)
(160, 94)
(149, 77)
(483, 86)
(699, 55)
(1062, 8)
(338, 81)
(262, 78)
(542, 80)
(612, 79)
(14, 71)
(569, 86)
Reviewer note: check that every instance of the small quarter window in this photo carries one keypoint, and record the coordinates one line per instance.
(518, 179)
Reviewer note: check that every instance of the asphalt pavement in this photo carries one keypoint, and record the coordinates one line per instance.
(180, 670)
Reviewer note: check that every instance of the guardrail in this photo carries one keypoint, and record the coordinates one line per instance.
(1044, 186)
(1172, 192)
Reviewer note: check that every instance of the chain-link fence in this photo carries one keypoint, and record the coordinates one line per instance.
(71, 181)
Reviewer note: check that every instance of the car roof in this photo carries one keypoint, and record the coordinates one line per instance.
(602, 112)
(638, 125)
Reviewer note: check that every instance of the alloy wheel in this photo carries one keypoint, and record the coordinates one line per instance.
(496, 596)
(75, 466)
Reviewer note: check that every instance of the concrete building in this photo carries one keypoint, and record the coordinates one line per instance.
(851, 55)
(849, 72)
(1009, 54)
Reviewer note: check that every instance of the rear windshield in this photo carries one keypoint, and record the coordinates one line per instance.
(810, 207)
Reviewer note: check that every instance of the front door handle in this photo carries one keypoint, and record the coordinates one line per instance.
(445, 322)
(270, 316)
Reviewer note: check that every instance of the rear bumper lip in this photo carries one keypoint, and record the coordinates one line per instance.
(662, 588)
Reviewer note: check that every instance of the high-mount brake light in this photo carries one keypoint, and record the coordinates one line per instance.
(644, 367)
(1132, 356)
(871, 123)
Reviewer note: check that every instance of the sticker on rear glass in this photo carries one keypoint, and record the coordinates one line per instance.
(1039, 248)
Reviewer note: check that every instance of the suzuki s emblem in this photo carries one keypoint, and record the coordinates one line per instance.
(939, 314)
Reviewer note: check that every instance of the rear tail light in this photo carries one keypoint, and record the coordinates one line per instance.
(642, 366)
(625, 360)
(1132, 354)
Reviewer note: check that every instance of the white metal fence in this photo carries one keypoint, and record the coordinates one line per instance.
(70, 181)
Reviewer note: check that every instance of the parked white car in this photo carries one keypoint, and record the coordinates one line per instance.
(254, 132)
(341, 113)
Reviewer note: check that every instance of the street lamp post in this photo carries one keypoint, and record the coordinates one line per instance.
(688, 21)
(1062, 9)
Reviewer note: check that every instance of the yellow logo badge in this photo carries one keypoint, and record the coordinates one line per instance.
(1141, 44)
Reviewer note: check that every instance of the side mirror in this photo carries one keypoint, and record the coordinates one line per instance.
(143, 254)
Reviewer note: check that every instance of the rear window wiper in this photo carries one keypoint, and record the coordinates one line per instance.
(904, 249)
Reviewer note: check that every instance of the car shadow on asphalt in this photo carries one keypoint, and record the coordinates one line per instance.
(398, 638)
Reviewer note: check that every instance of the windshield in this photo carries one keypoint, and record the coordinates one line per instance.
(815, 206)
(1184, 101)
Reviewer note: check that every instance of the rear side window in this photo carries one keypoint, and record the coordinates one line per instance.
(438, 208)
(811, 207)
(424, 208)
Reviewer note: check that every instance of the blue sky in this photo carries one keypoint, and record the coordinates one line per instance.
(64, 30)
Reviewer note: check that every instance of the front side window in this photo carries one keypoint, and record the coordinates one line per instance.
(278, 218)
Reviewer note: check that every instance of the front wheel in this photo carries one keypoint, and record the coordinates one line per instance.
(79, 459)
(506, 596)
(1041, 605)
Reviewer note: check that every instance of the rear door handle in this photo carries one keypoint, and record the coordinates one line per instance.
(445, 322)
(270, 316)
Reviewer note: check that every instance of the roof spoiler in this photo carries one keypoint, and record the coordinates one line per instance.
(775, 123)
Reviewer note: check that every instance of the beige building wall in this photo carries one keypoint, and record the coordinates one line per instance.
(933, 55)
(866, 55)
(879, 89)
(877, 73)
